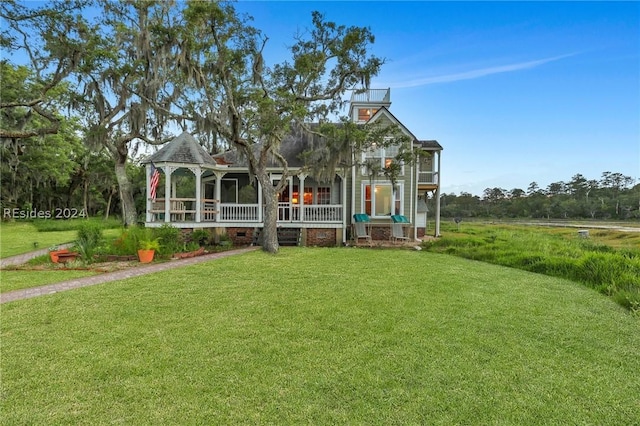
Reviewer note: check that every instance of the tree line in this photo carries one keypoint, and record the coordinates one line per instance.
(612, 197)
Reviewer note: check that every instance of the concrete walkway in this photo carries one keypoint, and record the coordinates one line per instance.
(28, 293)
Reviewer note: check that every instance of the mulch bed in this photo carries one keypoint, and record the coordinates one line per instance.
(109, 263)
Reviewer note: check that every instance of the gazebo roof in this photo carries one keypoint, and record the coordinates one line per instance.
(183, 149)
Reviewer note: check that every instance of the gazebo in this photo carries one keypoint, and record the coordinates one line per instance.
(187, 168)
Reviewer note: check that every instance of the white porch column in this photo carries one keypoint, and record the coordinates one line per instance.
(344, 207)
(353, 188)
(218, 194)
(197, 171)
(416, 196)
(301, 179)
(167, 193)
(437, 231)
(259, 202)
(149, 204)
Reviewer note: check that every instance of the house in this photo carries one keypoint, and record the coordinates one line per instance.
(204, 191)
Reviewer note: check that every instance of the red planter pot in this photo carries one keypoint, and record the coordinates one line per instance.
(146, 256)
(54, 254)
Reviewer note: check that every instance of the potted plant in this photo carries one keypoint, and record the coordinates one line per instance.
(55, 251)
(147, 249)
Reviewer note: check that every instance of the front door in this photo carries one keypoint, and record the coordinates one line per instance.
(284, 199)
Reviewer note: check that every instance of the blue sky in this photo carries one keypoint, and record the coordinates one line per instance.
(515, 92)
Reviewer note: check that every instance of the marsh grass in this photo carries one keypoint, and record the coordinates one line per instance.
(323, 336)
(612, 271)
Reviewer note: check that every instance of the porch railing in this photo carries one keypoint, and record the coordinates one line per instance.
(286, 213)
(323, 213)
(428, 177)
(183, 210)
(238, 212)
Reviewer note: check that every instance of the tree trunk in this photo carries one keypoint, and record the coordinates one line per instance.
(129, 214)
(111, 193)
(85, 195)
(270, 230)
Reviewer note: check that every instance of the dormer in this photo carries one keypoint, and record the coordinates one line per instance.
(363, 105)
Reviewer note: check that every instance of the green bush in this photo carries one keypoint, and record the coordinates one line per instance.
(129, 240)
(200, 236)
(88, 239)
(171, 240)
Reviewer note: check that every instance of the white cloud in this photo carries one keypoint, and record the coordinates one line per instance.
(469, 75)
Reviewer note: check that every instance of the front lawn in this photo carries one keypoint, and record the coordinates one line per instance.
(11, 280)
(23, 237)
(323, 336)
(18, 238)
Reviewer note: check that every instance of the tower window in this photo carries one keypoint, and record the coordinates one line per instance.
(364, 114)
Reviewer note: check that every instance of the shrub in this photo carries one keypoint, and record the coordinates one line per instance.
(170, 238)
(200, 236)
(129, 240)
(88, 240)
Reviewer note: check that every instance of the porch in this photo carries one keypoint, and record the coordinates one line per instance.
(187, 212)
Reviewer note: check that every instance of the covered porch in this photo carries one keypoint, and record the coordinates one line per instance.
(187, 188)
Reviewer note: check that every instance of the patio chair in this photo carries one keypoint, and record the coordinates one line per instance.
(398, 223)
(362, 227)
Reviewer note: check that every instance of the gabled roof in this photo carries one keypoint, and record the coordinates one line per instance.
(430, 145)
(291, 148)
(183, 149)
(383, 111)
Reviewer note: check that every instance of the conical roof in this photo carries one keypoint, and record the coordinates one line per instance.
(183, 149)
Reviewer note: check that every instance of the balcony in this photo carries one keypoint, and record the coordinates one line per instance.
(372, 96)
(428, 178)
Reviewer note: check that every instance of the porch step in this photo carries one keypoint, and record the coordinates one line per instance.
(286, 236)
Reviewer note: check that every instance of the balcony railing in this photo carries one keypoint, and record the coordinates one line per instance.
(372, 95)
(428, 177)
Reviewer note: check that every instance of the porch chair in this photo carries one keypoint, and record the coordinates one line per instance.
(177, 211)
(398, 223)
(362, 227)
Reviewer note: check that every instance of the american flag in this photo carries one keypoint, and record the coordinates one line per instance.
(155, 179)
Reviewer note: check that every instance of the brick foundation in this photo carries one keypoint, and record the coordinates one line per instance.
(240, 236)
(321, 237)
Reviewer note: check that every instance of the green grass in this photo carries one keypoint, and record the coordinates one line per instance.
(23, 237)
(20, 279)
(599, 262)
(19, 238)
(323, 336)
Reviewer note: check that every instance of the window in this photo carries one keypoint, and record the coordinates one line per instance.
(380, 200)
(308, 195)
(364, 114)
(382, 156)
(323, 195)
(229, 190)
